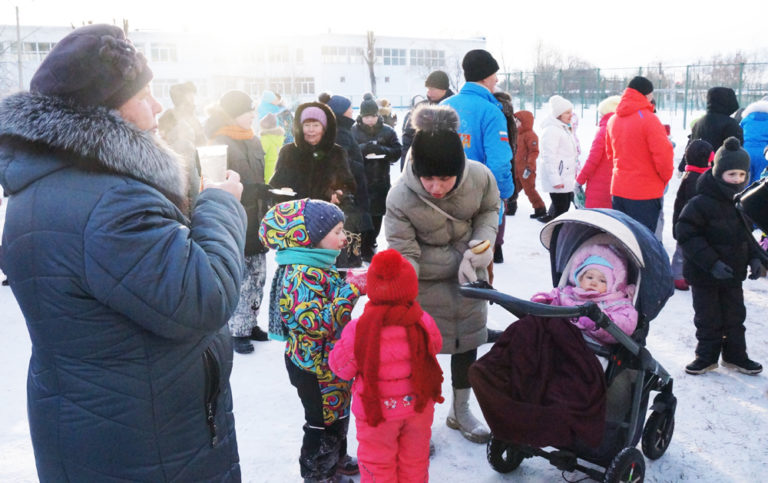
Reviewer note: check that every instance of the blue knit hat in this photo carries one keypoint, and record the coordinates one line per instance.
(321, 217)
(598, 263)
(339, 105)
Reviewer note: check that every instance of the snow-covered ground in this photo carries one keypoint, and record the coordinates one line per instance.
(721, 432)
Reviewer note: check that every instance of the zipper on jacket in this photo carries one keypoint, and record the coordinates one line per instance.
(212, 389)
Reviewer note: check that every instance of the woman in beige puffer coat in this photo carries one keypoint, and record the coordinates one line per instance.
(441, 206)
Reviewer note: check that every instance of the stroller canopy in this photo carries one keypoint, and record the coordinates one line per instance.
(646, 255)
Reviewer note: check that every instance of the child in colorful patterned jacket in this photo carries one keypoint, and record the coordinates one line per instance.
(390, 351)
(598, 274)
(315, 304)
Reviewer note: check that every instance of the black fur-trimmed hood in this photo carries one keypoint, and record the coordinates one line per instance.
(97, 139)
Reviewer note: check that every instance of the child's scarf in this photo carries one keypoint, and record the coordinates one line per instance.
(426, 375)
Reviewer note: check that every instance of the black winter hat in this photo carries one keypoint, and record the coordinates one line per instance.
(369, 108)
(641, 85)
(478, 64)
(94, 65)
(438, 80)
(236, 103)
(698, 153)
(730, 156)
(436, 149)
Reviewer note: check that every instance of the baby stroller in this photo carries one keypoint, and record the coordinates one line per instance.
(630, 375)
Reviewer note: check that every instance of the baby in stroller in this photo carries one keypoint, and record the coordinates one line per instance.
(598, 273)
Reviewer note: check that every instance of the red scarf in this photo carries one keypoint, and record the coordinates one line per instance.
(696, 169)
(426, 375)
(235, 132)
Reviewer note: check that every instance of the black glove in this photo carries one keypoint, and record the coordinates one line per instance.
(754, 268)
(721, 271)
(372, 148)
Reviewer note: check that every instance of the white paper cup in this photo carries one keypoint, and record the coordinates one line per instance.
(213, 162)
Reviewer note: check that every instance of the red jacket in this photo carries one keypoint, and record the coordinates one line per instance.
(637, 143)
(598, 170)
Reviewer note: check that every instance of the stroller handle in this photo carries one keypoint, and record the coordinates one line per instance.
(482, 290)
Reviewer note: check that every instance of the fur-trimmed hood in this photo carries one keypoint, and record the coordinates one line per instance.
(93, 138)
(759, 106)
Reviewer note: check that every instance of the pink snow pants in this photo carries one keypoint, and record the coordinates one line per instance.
(396, 451)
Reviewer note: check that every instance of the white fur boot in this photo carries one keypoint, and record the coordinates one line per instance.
(459, 417)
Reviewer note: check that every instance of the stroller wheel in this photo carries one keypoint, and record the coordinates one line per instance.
(658, 434)
(627, 466)
(503, 457)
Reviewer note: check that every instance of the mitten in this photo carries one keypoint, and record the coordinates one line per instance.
(358, 278)
(721, 271)
(478, 255)
(754, 268)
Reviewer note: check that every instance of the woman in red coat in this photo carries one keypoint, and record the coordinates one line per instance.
(598, 169)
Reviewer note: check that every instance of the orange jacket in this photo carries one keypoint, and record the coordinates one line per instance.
(527, 144)
(637, 143)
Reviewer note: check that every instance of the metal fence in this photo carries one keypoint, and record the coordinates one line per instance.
(682, 89)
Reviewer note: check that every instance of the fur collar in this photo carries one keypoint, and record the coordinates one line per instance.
(758, 106)
(97, 135)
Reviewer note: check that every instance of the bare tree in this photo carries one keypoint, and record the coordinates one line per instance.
(370, 59)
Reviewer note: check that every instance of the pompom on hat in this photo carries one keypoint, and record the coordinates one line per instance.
(95, 65)
(391, 279)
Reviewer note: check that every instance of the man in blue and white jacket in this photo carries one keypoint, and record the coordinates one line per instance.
(483, 127)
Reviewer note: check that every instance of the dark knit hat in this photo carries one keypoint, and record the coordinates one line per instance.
(179, 91)
(321, 217)
(236, 103)
(94, 65)
(339, 105)
(478, 64)
(699, 153)
(730, 156)
(641, 85)
(436, 149)
(438, 80)
(391, 279)
(369, 108)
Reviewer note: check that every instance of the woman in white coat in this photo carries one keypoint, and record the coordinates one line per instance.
(558, 157)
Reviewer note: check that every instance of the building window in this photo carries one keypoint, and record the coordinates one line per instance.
(161, 88)
(299, 56)
(163, 52)
(304, 85)
(428, 58)
(34, 50)
(341, 55)
(279, 55)
(386, 79)
(254, 87)
(390, 56)
(342, 79)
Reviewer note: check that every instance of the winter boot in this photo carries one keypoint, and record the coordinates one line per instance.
(745, 366)
(258, 335)
(510, 207)
(460, 417)
(700, 366)
(539, 212)
(498, 255)
(243, 345)
(347, 466)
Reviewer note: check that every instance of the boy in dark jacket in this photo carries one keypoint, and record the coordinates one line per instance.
(699, 156)
(717, 251)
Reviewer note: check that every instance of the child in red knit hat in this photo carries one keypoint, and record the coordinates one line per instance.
(391, 352)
